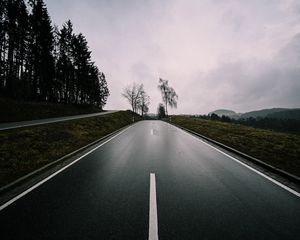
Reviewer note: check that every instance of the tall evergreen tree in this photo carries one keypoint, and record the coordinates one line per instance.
(65, 66)
(12, 38)
(103, 90)
(22, 90)
(3, 44)
(98, 87)
(13, 33)
(40, 62)
(42, 41)
(57, 81)
(82, 63)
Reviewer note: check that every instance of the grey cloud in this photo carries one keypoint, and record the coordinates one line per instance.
(252, 84)
(242, 55)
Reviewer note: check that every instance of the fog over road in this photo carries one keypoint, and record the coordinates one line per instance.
(200, 193)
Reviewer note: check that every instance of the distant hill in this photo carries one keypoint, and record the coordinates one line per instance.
(286, 114)
(224, 112)
(262, 113)
(277, 113)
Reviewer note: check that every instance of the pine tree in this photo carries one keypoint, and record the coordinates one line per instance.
(42, 60)
(82, 64)
(3, 44)
(12, 38)
(65, 66)
(14, 32)
(103, 90)
(22, 88)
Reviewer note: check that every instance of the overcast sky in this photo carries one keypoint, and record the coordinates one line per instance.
(239, 55)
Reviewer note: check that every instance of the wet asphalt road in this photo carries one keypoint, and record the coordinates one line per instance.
(201, 194)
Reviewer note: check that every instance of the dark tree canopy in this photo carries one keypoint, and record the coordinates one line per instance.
(161, 113)
(41, 62)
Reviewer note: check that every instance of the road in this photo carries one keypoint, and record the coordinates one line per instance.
(12, 125)
(188, 189)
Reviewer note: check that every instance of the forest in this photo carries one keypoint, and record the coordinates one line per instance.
(42, 62)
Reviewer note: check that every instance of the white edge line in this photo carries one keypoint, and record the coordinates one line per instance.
(247, 166)
(153, 226)
(57, 172)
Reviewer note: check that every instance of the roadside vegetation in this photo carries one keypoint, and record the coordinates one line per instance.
(287, 121)
(281, 150)
(17, 110)
(27, 149)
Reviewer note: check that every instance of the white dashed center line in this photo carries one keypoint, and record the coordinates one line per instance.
(153, 226)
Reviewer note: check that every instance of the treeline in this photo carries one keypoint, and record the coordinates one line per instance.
(43, 63)
(276, 124)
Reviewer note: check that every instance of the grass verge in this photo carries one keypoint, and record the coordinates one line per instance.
(27, 149)
(14, 110)
(278, 149)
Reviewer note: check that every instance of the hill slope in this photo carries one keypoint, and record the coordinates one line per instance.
(223, 112)
(14, 110)
(262, 113)
(287, 114)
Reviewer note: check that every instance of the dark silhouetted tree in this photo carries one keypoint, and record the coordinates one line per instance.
(161, 113)
(41, 62)
(3, 44)
(99, 91)
(13, 45)
(65, 68)
(214, 117)
(103, 92)
(42, 43)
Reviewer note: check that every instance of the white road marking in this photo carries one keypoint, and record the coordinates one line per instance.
(152, 131)
(153, 226)
(60, 170)
(247, 166)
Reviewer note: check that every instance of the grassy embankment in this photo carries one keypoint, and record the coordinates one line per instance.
(281, 150)
(14, 110)
(26, 149)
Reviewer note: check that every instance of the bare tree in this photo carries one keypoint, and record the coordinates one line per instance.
(143, 102)
(137, 97)
(130, 93)
(168, 94)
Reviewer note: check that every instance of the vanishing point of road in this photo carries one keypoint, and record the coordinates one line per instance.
(154, 181)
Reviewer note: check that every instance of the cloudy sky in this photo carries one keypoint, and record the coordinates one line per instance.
(240, 55)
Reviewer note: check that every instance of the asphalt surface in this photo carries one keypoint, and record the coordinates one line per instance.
(201, 194)
(12, 125)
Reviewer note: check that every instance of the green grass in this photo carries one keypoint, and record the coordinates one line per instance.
(281, 150)
(24, 150)
(14, 110)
